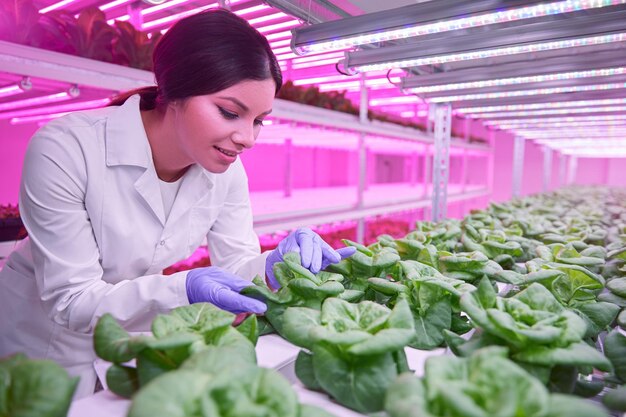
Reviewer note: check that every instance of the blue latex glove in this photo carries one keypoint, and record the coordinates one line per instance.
(315, 254)
(221, 288)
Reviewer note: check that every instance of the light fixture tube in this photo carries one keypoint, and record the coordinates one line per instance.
(282, 25)
(35, 101)
(83, 105)
(533, 106)
(559, 119)
(524, 93)
(491, 53)
(278, 35)
(113, 4)
(266, 18)
(384, 101)
(573, 132)
(56, 6)
(172, 18)
(511, 40)
(527, 113)
(38, 118)
(10, 90)
(555, 125)
(150, 10)
(559, 76)
(423, 19)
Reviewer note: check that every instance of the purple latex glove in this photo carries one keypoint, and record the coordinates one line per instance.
(221, 288)
(315, 254)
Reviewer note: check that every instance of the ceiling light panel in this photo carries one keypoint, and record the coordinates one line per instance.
(531, 92)
(547, 112)
(533, 37)
(423, 19)
(532, 106)
(574, 75)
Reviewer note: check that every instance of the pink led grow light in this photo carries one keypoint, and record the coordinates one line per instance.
(35, 101)
(511, 15)
(558, 76)
(266, 18)
(525, 113)
(172, 18)
(10, 90)
(55, 6)
(39, 118)
(550, 105)
(150, 10)
(531, 92)
(557, 119)
(83, 105)
(113, 4)
(395, 100)
(251, 9)
(282, 25)
(278, 35)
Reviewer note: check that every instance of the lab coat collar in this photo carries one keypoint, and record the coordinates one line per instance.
(127, 144)
(126, 139)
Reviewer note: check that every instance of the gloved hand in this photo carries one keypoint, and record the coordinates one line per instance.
(315, 254)
(221, 288)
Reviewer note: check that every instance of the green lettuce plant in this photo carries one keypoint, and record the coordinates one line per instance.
(485, 384)
(433, 299)
(299, 288)
(540, 333)
(354, 351)
(176, 336)
(218, 382)
(30, 387)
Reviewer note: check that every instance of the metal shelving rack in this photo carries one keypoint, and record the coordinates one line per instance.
(28, 61)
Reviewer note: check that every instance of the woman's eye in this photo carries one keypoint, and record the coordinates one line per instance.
(258, 122)
(227, 114)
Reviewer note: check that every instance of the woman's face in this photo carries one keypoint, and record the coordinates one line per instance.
(212, 130)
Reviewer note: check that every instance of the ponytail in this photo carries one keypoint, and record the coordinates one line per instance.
(149, 97)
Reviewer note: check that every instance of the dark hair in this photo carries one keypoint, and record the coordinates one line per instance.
(203, 54)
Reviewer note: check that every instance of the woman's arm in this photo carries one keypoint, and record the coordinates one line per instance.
(67, 264)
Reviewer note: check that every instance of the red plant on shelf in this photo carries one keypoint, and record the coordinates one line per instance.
(11, 226)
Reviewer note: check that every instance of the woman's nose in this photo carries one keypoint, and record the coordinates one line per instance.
(244, 137)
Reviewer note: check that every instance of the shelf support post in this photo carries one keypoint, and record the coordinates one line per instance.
(518, 165)
(547, 169)
(364, 104)
(288, 167)
(572, 167)
(441, 161)
(562, 170)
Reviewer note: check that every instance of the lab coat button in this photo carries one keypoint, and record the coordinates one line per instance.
(162, 242)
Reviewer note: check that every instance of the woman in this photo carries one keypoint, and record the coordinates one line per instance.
(112, 196)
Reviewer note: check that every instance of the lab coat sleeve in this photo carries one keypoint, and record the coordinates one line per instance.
(66, 256)
(233, 244)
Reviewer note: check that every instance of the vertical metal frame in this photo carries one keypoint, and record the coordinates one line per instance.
(491, 157)
(518, 165)
(441, 161)
(547, 169)
(288, 167)
(362, 152)
(572, 168)
(562, 170)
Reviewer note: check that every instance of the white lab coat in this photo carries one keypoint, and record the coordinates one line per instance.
(98, 239)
